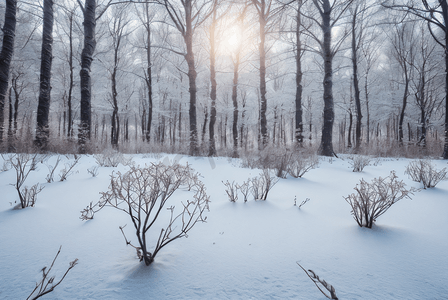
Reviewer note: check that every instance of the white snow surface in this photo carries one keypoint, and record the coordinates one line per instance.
(243, 251)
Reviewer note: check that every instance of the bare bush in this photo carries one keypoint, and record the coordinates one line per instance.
(143, 193)
(51, 169)
(245, 189)
(30, 194)
(68, 167)
(424, 171)
(262, 185)
(6, 163)
(371, 200)
(231, 190)
(300, 164)
(192, 179)
(111, 158)
(89, 212)
(303, 202)
(320, 283)
(93, 171)
(47, 284)
(24, 163)
(280, 162)
(359, 162)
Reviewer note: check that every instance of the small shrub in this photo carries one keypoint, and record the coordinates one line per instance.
(47, 284)
(89, 212)
(320, 283)
(303, 202)
(371, 200)
(111, 158)
(262, 185)
(280, 163)
(6, 163)
(359, 162)
(23, 164)
(68, 167)
(93, 171)
(245, 189)
(51, 169)
(143, 193)
(30, 194)
(231, 190)
(424, 171)
(301, 164)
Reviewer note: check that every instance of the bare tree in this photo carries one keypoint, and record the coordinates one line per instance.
(424, 83)
(89, 24)
(143, 193)
(436, 15)
(146, 18)
(404, 54)
(211, 128)
(267, 11)
(330, 13)
(357, 38)
(187, 16)
(9, 29)
(118, 32)
(43, 109)
(299, 88)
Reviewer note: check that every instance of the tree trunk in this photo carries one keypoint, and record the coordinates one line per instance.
(114, 133)
(10, 124)
(262, 50)
(148, 78)
(9, 29)
(299, 75)
(356, 82)
(72, 82)
(367, 109)
(43, 109)
(326, 146)
(192, 75)
(86, 82)
(350, 124)
(403, 107)
(444, 6)
(211, 127)
(236, 65)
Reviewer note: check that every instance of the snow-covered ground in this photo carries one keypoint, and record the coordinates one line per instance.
(244, 251)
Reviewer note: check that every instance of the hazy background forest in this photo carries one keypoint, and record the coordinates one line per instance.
(224, 77)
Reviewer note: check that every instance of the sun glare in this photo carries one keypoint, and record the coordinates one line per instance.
(231, 40)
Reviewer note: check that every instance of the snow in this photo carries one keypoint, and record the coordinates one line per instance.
(243, 251)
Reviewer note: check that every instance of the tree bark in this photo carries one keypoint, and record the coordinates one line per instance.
(262, 50)
(356, 81)
(211, 127)
(192, 75)
(72, 82)
(148, 78)
(9, 29)
(444, 6)
(299, 75)
(86, 82)
(326, 145)
(236, 65)
(43, 108)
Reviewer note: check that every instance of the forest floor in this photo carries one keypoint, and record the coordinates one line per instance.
(244, 250)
